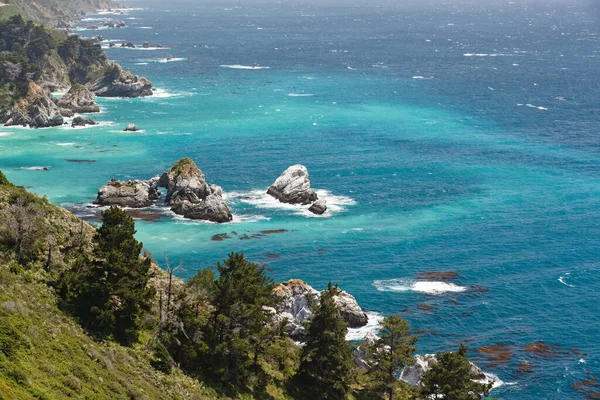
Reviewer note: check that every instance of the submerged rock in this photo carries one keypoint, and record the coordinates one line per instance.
(298, 302)
(318, 207)
(78, 100)
(134, 194)
(118, 83)
(293, 186)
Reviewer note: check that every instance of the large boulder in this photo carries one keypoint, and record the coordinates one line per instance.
(118, 83)
(36, 110)
(79, 121)
(293, 186)
(135, 194)
(191, 196)
(131, 128)
(78, 100)
(413, 374)
(318, 207)
(298, 301)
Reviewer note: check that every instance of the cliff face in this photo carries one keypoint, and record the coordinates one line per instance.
(53, 13)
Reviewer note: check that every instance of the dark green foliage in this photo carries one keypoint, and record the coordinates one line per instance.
(4, 180)
(326, 367)
(451, 378)
(109, 292)
(390, 353)
(161, 360)
(10, 339)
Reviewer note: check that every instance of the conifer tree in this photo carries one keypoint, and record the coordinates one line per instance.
(242, 294)
(451, 378)
(110, 292)
(326, 366)
(391, 352)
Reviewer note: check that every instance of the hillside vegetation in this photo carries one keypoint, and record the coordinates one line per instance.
(52, 12)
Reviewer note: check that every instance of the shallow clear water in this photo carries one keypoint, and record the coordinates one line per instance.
(448, 136)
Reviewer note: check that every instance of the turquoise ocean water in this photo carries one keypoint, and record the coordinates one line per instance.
(445, 135)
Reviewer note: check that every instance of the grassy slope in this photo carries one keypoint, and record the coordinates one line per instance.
(44, 353)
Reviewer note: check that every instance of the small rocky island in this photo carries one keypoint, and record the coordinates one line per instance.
(188, 193)
(293, 187)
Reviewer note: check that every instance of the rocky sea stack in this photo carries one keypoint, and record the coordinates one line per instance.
(188, 193)
(293, 187)
(77, 100)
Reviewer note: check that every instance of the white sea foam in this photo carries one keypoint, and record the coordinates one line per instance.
(35, 168)
(428, 287)
(422, 77)
(300, 94)
(532, 106)
(4, 134)
(66, 144)
(159, 93)
(237, 66)
(486, 55)
(373, 326)
(141, 63)
(260, 199)
(167, 60)
(562, 278)
(144, 27)
(139, 47)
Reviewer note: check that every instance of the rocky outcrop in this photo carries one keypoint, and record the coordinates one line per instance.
(78, 100)
(318, 207)
(293, 186)
(412, 374)
(298, 301)
(116, 82)
(188, 193)
(134, 194)
(191, 196)
(131, 128)
(36, 110)
(78, 121)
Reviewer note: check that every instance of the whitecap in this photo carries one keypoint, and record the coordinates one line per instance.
(427, 287)
(300, 94)
(238, 66)
(260, 199)
(66, 144)
(159, 93)
(485, 55)
(422, 77)
(144, 27)
(373, 326)
(35, 168)
(562, 278)
(167, 60)
(4, 134)
(534, 106)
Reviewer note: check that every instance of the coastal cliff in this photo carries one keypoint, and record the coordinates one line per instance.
(52, 13)
(35, 61)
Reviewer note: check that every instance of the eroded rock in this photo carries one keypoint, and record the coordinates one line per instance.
(134, 194)
(293, 186)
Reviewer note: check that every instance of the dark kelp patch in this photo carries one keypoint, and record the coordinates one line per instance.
(499, 353)
(437, 275)
(589, 387)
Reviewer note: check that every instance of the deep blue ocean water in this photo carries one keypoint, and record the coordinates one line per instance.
(448, 136)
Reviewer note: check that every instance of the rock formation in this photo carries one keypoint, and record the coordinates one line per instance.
(318, 207)
(78, 100)
(134, 194)
(36, 110)
(293, 186)
(78, 121)
(298, 301)
(131, 128)
(412, 374)
(118, 83)
(188, 193)
(191, 196)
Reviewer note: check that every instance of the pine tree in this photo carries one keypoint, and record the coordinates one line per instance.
(326, 366)
(451, 378)
(390, 353)
(109, 291)
(242, 294)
